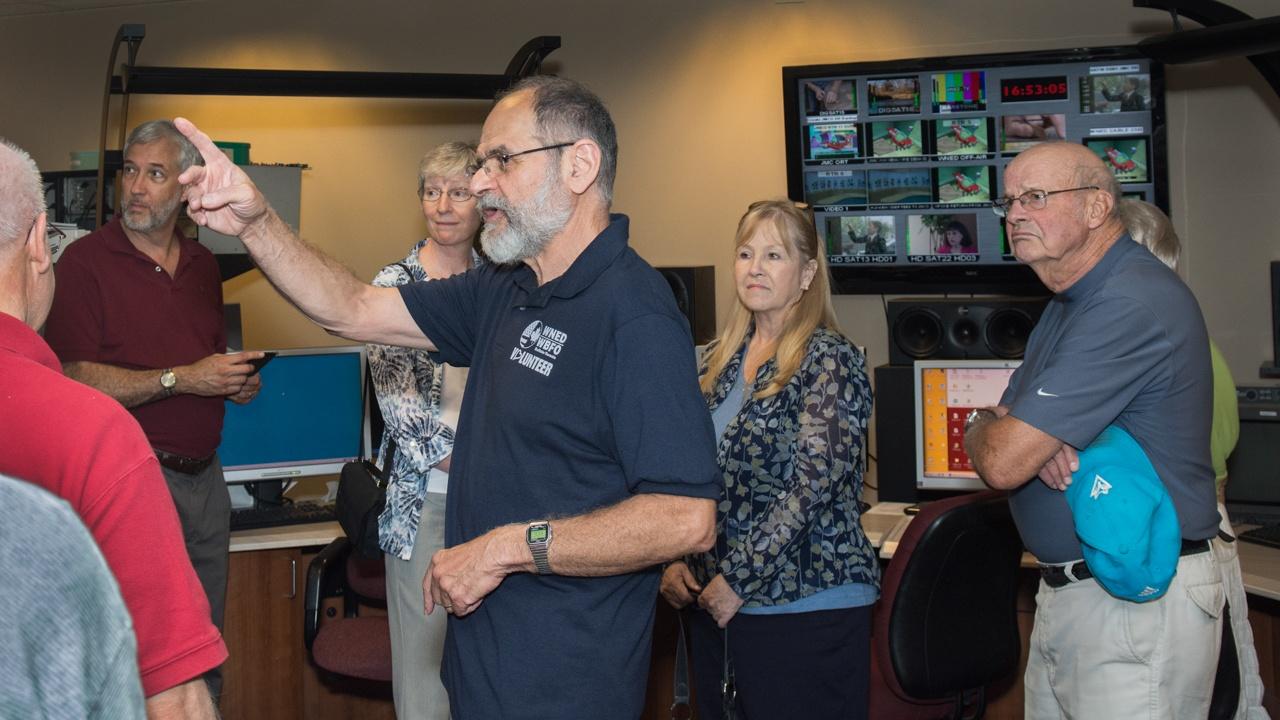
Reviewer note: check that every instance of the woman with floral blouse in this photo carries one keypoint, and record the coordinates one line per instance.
(787, 590)
(420, 400)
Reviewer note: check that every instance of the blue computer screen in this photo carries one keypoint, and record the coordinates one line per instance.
(307, 420)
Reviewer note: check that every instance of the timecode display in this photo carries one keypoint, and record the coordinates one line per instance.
(1033, 89)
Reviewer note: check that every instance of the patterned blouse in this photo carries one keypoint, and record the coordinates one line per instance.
(789, 523)
(408, 385)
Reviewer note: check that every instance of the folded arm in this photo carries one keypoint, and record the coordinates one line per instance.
(1008, 452)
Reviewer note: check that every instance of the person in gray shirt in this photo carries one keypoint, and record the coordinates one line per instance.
(69, 649)
(1122, 342)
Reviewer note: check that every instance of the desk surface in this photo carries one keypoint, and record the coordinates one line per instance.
(885, 522)
(285, 536)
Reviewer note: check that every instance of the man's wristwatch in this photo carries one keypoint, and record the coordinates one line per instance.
(974, 415)
(168, 381)
(538, 537)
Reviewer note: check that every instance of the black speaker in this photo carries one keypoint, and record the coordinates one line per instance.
(1273, 370)
(895, 434)
(959, 328)
(695, 292)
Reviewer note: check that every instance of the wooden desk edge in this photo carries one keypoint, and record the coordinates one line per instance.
(285, 536)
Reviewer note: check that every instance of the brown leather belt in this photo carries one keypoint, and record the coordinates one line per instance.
(1056, 576)
(182, 463)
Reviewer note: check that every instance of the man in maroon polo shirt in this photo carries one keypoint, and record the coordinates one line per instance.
(80, 445)
(138, 315)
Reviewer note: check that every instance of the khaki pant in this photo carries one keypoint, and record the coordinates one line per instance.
(1250, 706)
(1095, 657)
(417, 639)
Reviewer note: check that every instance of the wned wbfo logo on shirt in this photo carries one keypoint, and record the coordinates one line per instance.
(539, 347)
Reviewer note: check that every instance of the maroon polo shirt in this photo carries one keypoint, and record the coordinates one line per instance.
(114, 305)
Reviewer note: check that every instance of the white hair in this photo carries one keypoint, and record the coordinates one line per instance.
(21, 193)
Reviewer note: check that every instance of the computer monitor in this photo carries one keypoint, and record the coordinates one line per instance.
(1253, 470)
(308, 419)
(945, 392)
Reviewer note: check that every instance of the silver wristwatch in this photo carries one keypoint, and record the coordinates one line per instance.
(974, 414)
(168, 381)
(538, 537)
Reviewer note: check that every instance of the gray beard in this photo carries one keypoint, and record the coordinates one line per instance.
(157, 218)
(530, 228)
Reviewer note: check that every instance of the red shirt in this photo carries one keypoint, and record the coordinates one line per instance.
(82, 446)
(114, 305)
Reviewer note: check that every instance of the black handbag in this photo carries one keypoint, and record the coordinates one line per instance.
(362, 492)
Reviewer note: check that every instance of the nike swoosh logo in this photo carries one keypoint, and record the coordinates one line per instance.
(1042, 393)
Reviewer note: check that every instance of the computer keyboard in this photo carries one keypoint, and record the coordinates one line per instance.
(293, 513)
(1266, 535)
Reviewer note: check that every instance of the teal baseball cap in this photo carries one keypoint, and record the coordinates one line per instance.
(1124, 517)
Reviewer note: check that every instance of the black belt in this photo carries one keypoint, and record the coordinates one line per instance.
(182, 463)
(1055, 576)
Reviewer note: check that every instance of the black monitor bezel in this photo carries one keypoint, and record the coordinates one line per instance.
(1010, 279)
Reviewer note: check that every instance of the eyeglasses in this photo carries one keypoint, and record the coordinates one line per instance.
(486, 163)
(1031, 199)
(457, 195)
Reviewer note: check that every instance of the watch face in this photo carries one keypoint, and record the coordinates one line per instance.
(538, 533)
(168, 379)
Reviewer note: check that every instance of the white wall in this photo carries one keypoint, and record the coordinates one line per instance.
(695, 88)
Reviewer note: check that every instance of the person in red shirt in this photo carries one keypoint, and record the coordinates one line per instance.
(138, 315)
(84, 447)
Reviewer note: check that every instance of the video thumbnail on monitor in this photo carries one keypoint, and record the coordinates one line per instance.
(954, 234)
(836, 140)
(896, 138)
(835, 187)
(860, 235)
(1125, 157)
(1115, 93)
(961, 136)
(888, 187)
(960, 92)
(963, 183)
(1019, 132)
(893, 96)
(830, 97)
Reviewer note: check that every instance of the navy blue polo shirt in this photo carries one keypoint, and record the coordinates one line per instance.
(1125, 344)
(582, 393)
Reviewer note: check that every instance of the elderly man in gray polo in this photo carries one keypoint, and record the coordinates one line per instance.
(1122, 342)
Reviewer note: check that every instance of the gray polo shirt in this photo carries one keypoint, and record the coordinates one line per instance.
(1125, 344)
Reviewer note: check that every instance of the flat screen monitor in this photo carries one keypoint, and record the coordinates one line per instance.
(1253, 469)
(945, 392)
(901, 159)
(308, 419)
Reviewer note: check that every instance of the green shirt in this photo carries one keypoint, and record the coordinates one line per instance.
(1226, 417)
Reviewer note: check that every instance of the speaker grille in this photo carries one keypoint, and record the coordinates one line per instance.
(1007, 332)
(959, 328)
(918, 332)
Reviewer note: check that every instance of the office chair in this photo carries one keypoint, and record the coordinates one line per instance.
(353, 645)
(946, 625)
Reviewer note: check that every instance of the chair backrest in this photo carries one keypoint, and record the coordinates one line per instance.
(947, 619)
(367, 577)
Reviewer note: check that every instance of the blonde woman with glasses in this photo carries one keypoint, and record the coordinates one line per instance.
(420, 400)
